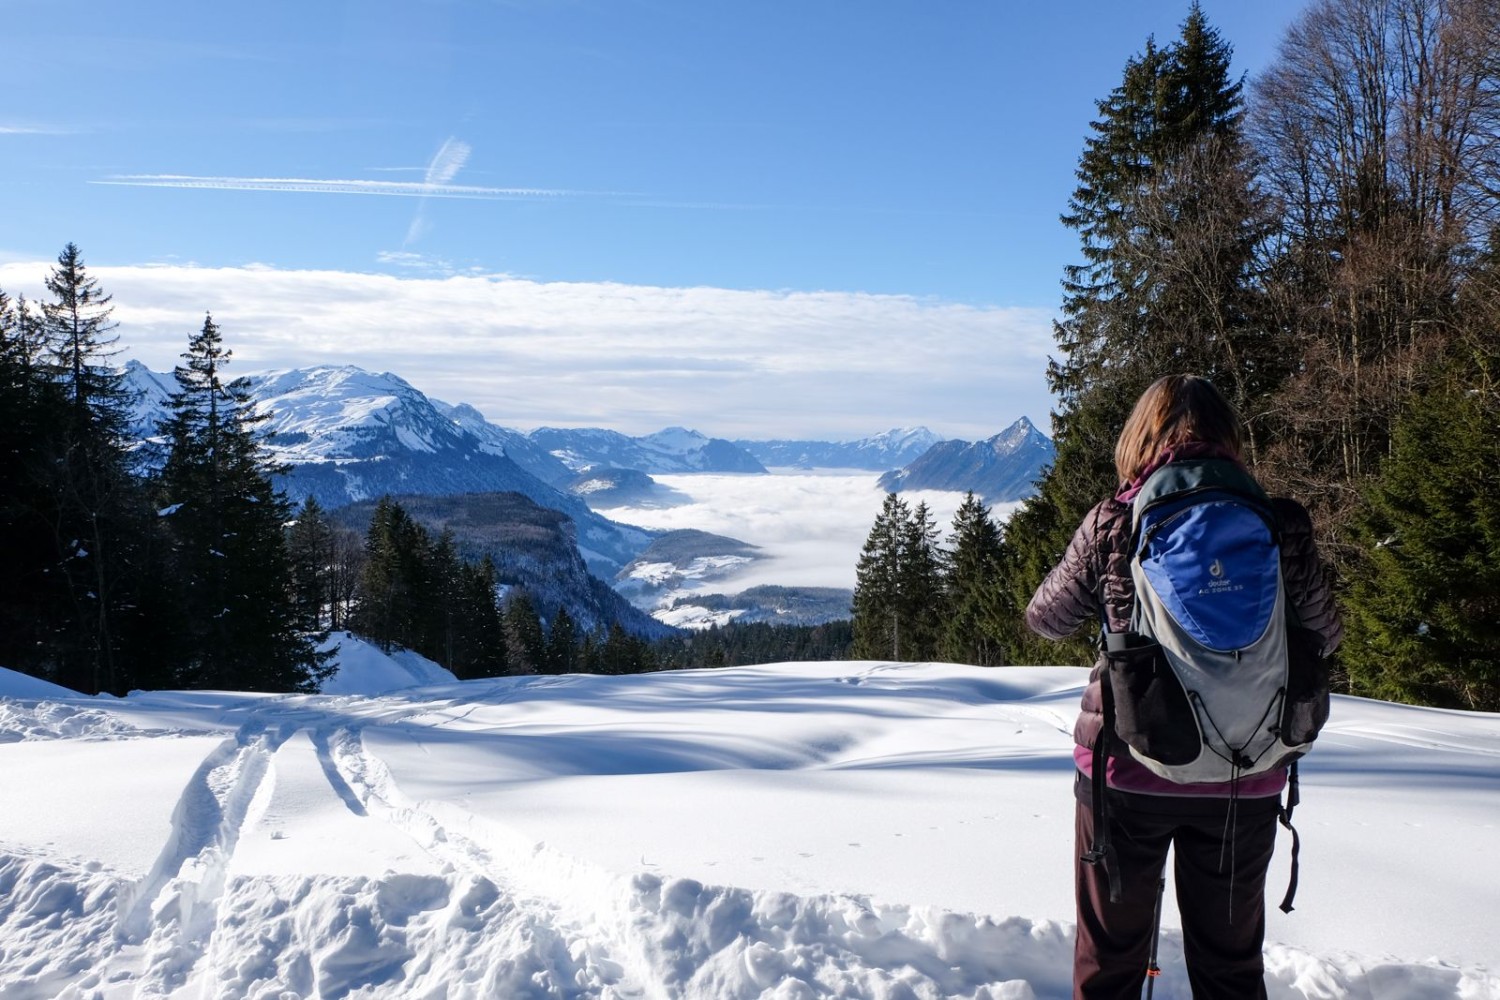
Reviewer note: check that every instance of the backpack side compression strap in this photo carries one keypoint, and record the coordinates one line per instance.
(1293, 796)
(1102, 853)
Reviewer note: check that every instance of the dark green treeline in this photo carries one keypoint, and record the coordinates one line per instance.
(132, 565)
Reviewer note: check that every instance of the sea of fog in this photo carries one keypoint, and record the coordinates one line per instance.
(810, 525)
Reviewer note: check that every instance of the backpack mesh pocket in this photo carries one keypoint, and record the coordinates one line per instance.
(1152, 713)
(1306, 706)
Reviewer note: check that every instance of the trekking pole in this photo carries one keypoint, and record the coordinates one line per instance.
(1152, 969)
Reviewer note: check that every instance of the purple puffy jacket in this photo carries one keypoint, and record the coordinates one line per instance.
(1095, 572)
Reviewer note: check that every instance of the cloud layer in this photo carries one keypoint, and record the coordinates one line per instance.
(730, 363)
(810, 527)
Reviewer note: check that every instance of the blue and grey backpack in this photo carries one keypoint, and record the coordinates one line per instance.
(1216, 679)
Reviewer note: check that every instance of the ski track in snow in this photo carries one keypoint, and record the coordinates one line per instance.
(506, 916)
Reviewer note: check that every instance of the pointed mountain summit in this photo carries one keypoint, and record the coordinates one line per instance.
(998, 469)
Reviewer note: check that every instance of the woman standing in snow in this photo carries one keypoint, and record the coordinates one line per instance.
(1222, 902)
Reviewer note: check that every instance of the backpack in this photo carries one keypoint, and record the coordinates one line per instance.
(1216, 680)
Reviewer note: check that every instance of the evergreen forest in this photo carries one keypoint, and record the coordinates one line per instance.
(1323, 242)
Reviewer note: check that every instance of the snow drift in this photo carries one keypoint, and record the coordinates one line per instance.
(856, 830)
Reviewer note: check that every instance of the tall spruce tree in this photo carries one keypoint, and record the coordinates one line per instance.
(525, 642)
(921, 585)
(1169, 223)
(877, 613)
(562, 644)
(898, 590)
(94, 500)
(225, 519)
(393, 587)
(310, 549)
(974, 629)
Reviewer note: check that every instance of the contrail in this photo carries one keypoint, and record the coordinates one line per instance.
(398, 189)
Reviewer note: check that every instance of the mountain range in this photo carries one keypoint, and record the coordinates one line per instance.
(348, 436)
(890, 450)
(998, 469)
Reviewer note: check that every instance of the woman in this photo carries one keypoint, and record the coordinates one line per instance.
(1220, 892)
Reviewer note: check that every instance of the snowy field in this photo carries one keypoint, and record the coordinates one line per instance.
(856, 830)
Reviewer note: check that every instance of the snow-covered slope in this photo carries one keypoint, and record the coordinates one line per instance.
(514, 445)
(857, 830)
(348, 435)
(891, 450)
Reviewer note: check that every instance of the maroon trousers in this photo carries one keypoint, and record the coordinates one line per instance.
(1219, 871)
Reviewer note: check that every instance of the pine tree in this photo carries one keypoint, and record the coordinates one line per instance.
(921, 585)
(877, 602)
(310, 549)
(481, 650)
(393, 586)
(1169, 224)
(623, 653)
(32, 407)
(562, 644)
(94, 500)
(1425, 598)
(525, 643)
(228, 545)
(898, 591)
(974, 631)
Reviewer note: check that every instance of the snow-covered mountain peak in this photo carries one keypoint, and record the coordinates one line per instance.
(1017, 436)
(337, 410)
(675, 440)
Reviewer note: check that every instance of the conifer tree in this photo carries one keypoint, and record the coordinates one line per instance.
(94, 500)
(1424, 598)
(32, 408)
(310, 549)
(225, 522)
(623, 653)
(480, 649)
(562, 644)
(1169, 224)
(921, 585)
(974, 631)
(393, 583)
(525, 642)
(877, 616)
(898, 589)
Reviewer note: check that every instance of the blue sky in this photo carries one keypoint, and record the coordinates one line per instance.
(876, 152)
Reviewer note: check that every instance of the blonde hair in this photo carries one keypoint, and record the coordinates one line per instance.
(1175, 409)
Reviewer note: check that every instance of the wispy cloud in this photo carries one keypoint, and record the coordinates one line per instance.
(311, 185)
(447, 162)
(15, 129)
(445, 165)
(733, 363)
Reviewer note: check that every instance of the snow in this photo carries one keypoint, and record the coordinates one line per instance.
(363, 668)
(855, 830)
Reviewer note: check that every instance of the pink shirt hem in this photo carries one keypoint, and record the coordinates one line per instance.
(1128, 775)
